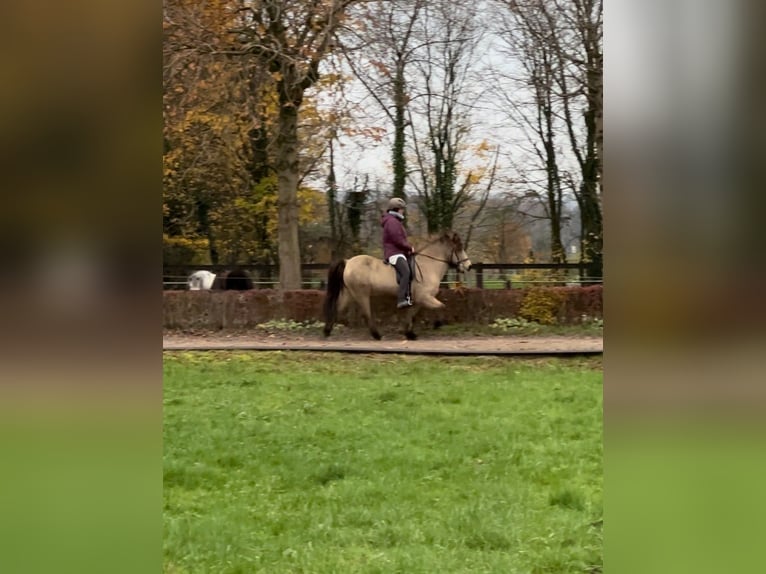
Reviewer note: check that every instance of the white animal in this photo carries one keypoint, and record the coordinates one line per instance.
(201, 280)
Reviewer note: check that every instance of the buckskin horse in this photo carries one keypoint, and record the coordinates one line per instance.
(363, 276)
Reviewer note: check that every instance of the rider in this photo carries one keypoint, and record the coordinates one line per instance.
(396, 248)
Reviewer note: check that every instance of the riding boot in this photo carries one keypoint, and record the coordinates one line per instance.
(403, 277)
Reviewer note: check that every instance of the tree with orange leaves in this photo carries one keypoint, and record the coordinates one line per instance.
(289, 38)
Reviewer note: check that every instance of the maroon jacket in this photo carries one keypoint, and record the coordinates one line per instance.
(394, 236)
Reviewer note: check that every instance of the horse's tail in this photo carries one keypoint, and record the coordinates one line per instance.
(334, 287)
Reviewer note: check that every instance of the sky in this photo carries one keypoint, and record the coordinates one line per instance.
(358, 155)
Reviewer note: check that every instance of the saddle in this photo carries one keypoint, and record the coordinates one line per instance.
(410, 261)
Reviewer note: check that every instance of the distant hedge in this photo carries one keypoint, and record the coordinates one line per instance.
(187, 310)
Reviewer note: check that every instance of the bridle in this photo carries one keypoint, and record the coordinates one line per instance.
(450, 263)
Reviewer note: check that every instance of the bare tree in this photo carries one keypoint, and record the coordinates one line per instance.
(381, 59)
(582, 60)
(559, 45)
(346, 214)
(536, 108)
(440, 113)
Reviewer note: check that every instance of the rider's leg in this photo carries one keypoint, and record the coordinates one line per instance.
(403, 277)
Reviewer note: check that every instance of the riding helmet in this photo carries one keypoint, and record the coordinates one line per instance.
(396, 203)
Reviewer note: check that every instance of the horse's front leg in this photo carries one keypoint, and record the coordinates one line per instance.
(410, 322)
(430, 302)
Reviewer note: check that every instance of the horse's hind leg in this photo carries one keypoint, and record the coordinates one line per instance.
(364, 304)
(342, 305)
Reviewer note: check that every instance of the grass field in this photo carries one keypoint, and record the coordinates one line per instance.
(321, 463)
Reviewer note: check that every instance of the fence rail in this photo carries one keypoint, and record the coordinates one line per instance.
(482, 275)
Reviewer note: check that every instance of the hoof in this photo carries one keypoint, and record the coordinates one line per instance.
(375, 335)
(410, 335)
(327, 331)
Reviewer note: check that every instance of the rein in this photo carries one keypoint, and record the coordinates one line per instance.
(416, 265)
(450, 263)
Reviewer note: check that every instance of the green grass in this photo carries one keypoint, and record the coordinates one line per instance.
(323, 463)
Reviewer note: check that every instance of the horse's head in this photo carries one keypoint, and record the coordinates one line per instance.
(459, 257)
(200, 280)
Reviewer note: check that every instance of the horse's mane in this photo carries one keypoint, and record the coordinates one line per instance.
(449, 237)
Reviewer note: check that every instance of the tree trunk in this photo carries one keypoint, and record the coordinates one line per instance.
(287, 174)
(557, 248)
(399, 161)
(354, 214)
(332, 194)
(591, 170)
(554, 188)
(213, 247)
(592, 166)
(259, 164)
(592, 226)
(205, 228)
(554, 202)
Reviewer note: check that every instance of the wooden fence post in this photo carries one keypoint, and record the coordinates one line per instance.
(479, 275)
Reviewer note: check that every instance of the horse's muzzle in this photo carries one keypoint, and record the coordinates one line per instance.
(464, 266)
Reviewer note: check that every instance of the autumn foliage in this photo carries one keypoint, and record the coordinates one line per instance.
(258, 92)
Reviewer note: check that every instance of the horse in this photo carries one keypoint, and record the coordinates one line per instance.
(359, 278)
(237, 280)
(201, 281)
